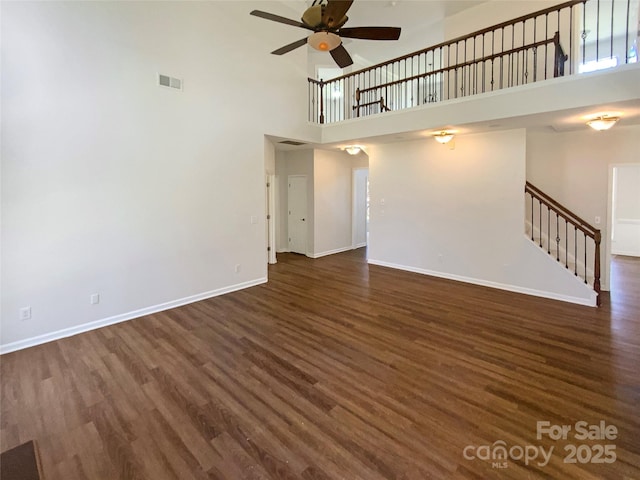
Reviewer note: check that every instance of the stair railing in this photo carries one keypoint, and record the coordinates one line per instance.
(564, 235)
(568, 38)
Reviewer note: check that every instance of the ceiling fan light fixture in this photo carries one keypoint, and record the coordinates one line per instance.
(603, 122)
(324, 41)
(443, 137)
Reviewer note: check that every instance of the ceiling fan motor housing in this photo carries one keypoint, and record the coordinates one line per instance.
(313, 18)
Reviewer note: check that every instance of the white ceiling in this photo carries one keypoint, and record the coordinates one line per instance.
(420, 21)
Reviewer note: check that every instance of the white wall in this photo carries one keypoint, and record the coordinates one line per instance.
(460, 214)
(487, 14)
(113, 185)
(573, 167)
(333, 198)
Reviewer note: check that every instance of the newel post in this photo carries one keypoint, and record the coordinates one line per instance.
(321, 101)
(560, 57)
(596, 268)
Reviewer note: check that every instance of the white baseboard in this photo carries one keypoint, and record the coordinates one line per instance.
(330, 252)
(591, 302)
(360, 245)
(85, 327)
(284, 250)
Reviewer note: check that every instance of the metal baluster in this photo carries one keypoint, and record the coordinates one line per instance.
(540, 223)
(532, 239)
(575, 251)
(626, 34)
(585, 257)
(566, 243)
(548, 231)
(583, 35)
(501, 58)
(598, 31)
(571, 40)
(475, 74)
(557, 237)
(611, 31)
(482, 75)
(546, 47)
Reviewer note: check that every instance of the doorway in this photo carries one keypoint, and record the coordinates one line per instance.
(360, 208)
(297, 209)
(623, 237)
(625, 210)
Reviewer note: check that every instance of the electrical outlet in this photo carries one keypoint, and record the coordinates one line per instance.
(238, 268)
(25, 313)
(94, 299)
(598, 220)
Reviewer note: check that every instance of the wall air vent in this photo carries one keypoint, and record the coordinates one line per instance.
(170, 82)
(292, 142)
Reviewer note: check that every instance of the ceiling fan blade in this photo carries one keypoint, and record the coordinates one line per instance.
(335, 11)
(291, 46)
(341, 56)
(279, 19)
(370, 33)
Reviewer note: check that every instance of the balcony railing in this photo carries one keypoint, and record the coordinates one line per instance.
(573, 37)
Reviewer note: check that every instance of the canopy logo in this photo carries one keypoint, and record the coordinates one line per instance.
(499, 453)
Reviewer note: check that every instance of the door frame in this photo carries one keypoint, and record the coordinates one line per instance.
(271, 222)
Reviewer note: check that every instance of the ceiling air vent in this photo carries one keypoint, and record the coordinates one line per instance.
(292, 142)
(167, 81)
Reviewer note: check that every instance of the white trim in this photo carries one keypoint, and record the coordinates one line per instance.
(330, 252)
(625, 253)
(629, 221)
(283, 250)
(360, 245)
(85, 327)
(486, 283)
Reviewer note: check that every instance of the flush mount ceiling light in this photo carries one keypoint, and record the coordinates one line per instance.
(602, 122)
(353, 149)
(443, 137)
(324, 41)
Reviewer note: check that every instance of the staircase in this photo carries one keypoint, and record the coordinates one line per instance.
(574, 243)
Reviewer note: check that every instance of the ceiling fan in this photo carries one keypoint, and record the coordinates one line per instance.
(326, 20)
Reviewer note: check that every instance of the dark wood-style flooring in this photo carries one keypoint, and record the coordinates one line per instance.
(335, 370)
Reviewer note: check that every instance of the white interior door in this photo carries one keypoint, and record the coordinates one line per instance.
(297, 201)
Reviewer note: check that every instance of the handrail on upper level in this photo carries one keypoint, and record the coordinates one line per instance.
(507, 54)
(469, 36)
